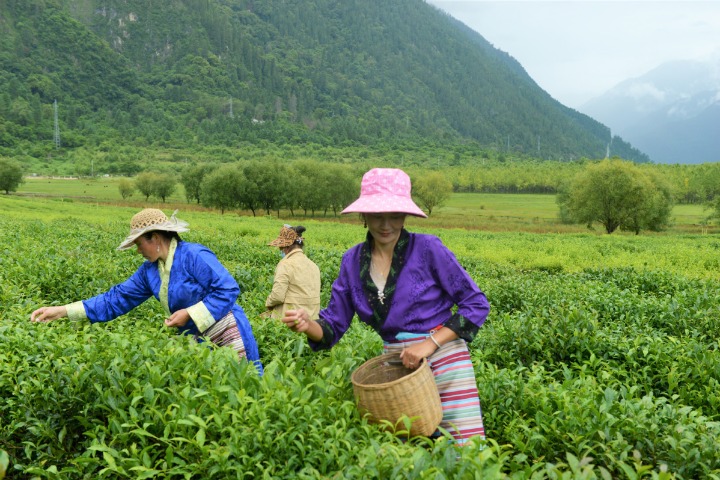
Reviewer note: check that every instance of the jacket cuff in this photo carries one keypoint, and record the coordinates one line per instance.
(76, 311)
(328, 338)
(462, 327)
(201, 316)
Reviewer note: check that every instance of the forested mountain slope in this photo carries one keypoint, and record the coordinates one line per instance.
(184, 73)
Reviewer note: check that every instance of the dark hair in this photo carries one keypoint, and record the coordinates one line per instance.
(163, 233)
(299, 242)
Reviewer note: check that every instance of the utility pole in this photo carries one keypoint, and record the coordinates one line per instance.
(56, 133)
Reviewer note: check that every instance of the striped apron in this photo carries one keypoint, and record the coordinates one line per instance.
(225, 333)
(455, 378)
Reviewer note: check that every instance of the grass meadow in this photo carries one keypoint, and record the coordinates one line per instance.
(600, 358)
(494, 212)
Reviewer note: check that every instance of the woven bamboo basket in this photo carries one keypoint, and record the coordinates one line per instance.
(386, 390)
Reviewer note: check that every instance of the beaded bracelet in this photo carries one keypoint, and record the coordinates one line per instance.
(434, 341)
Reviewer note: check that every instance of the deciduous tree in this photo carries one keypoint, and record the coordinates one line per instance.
(431, 190)
(617, 194)
(126, 188)
(192, 178)
(222, 188)
(341, 187)
(654, 206)
(297, 190)
(264, 186)
(144, 183)
(312, 196)
(11, 175)
(164, 186)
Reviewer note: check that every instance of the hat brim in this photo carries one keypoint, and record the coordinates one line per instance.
(280, 242)
(384, 204)
(129, 241)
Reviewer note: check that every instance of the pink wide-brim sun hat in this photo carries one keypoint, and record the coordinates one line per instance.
(385, 190)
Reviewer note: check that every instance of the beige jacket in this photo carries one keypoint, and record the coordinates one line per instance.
(296, 285)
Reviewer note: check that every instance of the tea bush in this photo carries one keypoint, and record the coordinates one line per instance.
(589, 366)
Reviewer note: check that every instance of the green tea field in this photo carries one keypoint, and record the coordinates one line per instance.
(600, 358)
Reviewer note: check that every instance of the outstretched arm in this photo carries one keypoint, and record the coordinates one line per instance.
(48, 314)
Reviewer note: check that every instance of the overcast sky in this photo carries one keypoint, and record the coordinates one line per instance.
(578, 49)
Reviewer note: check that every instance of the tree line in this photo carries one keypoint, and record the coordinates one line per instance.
(612, 192)
(688, 184)
(615, 193)
(306, 186)
(309, 187)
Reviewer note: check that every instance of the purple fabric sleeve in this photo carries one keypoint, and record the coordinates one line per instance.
(430, 284)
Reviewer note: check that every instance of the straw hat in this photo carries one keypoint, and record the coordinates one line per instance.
(151, 219)
(385, 190)
(287, 237)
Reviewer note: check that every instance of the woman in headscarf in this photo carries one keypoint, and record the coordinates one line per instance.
(405, 286)
(197, 293)
(297, 278)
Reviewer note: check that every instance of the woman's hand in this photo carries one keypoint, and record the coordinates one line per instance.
(413, 355)
(178, 319)
(48, 314)
(297, 320)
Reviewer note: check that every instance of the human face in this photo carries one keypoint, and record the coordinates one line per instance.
(385, 228)
(148, 248)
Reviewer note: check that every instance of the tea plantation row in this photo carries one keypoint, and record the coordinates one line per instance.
(600, 359)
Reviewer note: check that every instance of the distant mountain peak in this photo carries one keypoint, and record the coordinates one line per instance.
(669, 112)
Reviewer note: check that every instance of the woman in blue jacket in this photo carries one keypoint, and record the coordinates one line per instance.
(198, 294)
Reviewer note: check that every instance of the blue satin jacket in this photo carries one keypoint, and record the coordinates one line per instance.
(196, 275)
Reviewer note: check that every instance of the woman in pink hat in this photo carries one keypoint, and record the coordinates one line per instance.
(405, 286)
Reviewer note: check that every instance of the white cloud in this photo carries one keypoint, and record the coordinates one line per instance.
(639, 91)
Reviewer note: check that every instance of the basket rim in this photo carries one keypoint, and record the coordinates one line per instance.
(385, 357)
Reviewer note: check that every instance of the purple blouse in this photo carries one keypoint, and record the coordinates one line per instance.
(425, 283)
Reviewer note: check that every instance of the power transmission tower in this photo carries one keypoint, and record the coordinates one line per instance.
(231, 110)
(56, 133)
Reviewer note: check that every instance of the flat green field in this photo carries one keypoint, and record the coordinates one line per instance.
(103, 189)
(484, 211)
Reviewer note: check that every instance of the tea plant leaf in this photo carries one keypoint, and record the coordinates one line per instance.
(4, 463)
(200, 437)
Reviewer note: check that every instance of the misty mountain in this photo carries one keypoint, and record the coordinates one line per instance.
(672, 113)
(192, 73)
